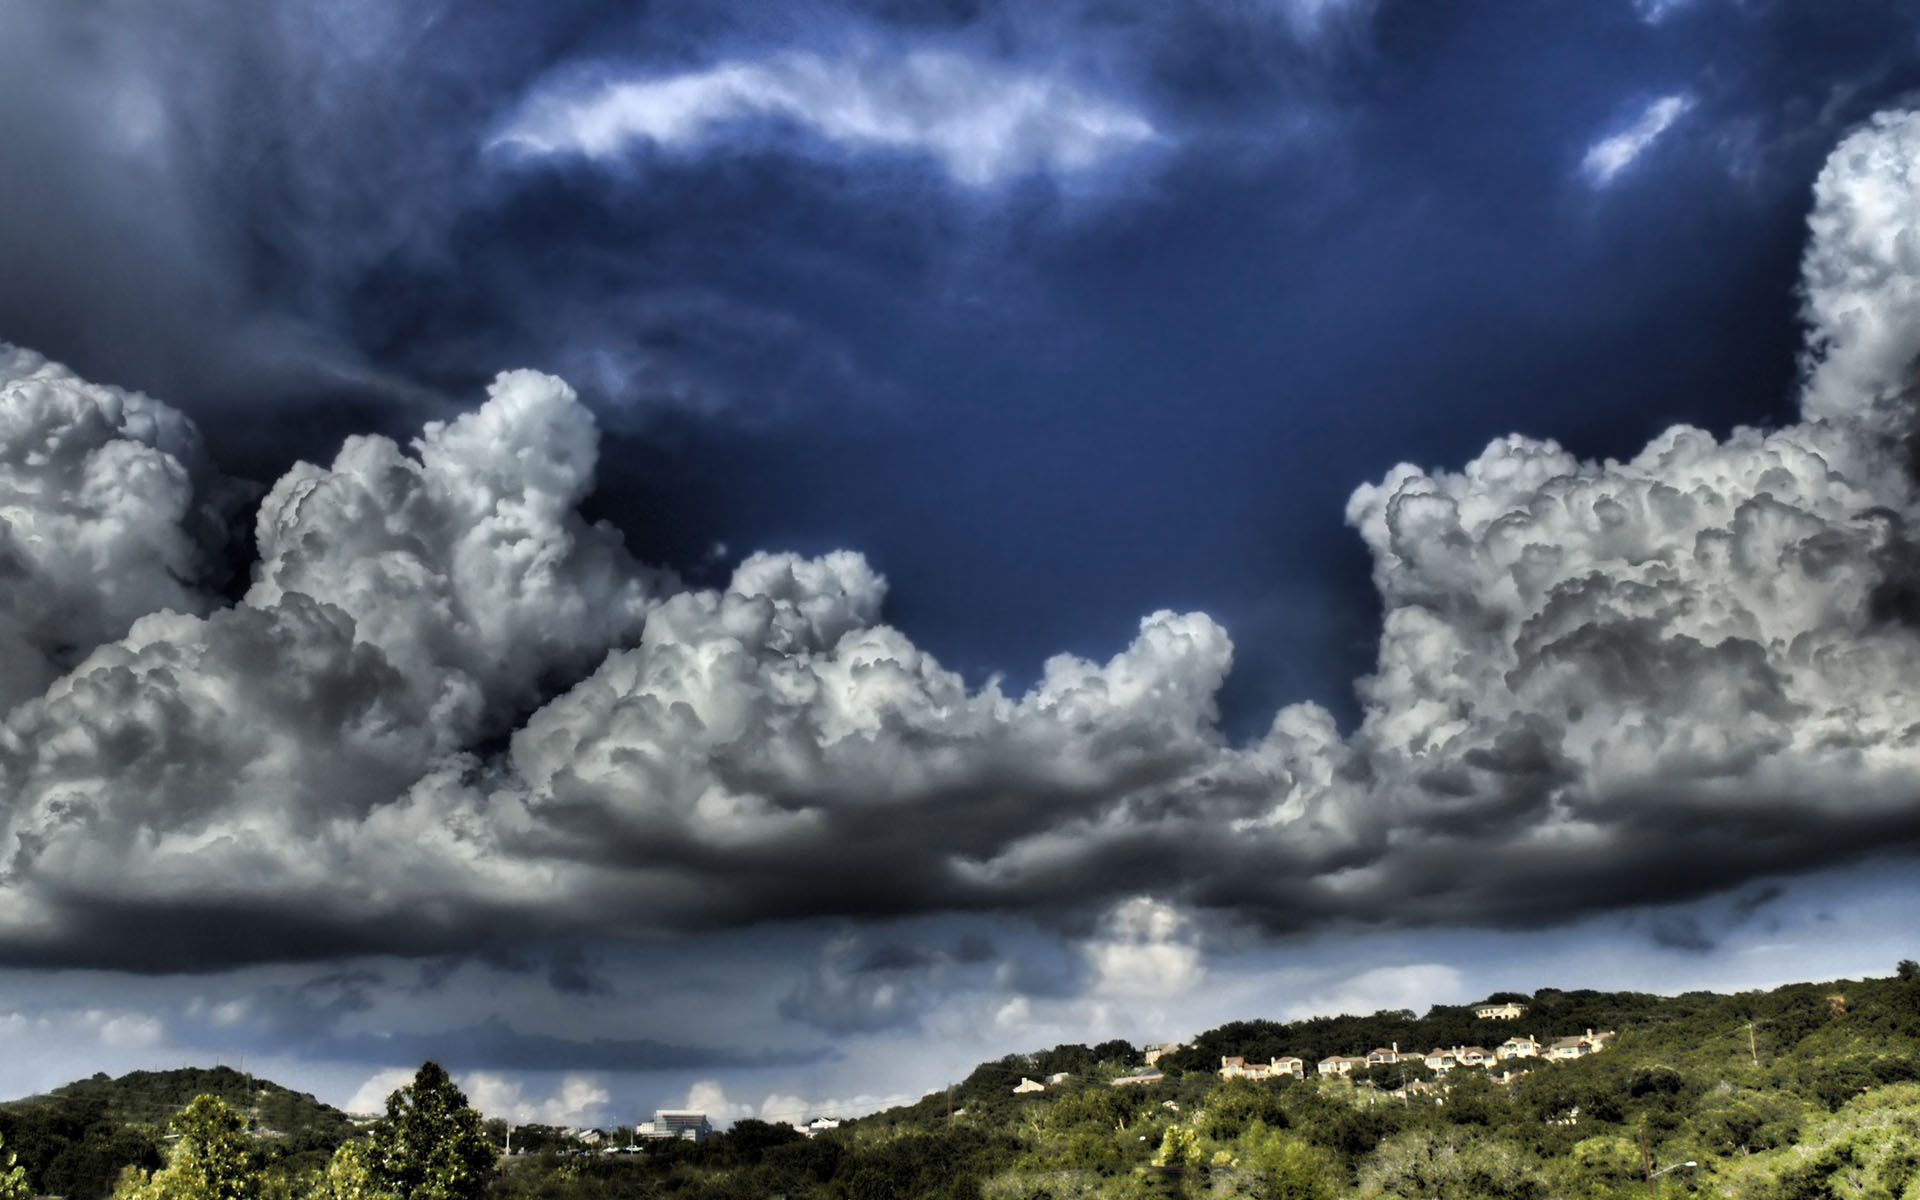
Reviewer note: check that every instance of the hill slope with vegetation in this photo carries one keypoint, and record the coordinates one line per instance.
(1800, 1093)
(1805, 1092)
(75, 1140)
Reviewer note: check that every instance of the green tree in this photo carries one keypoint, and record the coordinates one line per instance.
(13, 1179)
(431, 1145)
(349, 1175)
(212, 1159)
(1278, 1167)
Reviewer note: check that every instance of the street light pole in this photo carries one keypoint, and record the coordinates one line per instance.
(1653, 1175)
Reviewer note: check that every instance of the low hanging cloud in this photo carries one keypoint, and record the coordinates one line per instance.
(984, 124)
(451, 713)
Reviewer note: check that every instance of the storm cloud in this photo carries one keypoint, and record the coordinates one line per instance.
(451, 711)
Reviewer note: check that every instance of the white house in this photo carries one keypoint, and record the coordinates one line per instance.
(1520, 1046)
(1500, 1012)
(1578, 1047)
(1027, 1086)
(1340, 1065)
(1384, 1057)
(1441, 1060)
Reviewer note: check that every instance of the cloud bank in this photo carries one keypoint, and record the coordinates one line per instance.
(450, 712)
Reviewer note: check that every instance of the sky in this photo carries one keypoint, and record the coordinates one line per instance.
(757, 556)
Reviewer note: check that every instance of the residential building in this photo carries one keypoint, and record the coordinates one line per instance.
(1235, 1067)
(1385, 1057)
(1160, 1050)
(1138, 1076)
(1472, 1056)
(1520, 1046)
(1028, 1086)
(1441, 1060)
(1500, 1012)
(1578, 1047)
(1340, 1064)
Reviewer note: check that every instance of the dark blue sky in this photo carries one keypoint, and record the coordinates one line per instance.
(1045, 406)
(1060, 313)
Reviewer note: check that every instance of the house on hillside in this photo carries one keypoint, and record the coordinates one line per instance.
(1500, 1012)
(1472, 1056)
(1236, 1067)
(1578, 1047)
(1027, 1087)
(1160, 1050)
(1338, 1064)
(1384, 1057)
(1520, 1046)
(1139, 1076)
(1439, 1060)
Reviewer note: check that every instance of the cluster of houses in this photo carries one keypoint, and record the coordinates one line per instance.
(1439, 1060)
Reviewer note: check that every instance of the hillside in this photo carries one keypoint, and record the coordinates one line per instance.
(1804, 1092)
(75, 1140)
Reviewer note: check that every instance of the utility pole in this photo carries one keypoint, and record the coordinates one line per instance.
(1646, 1161)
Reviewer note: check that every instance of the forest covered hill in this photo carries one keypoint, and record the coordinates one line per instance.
(1805, 1092)
(75, 1140)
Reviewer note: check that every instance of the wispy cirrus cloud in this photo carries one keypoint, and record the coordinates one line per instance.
(1613, 154)
(983, 123)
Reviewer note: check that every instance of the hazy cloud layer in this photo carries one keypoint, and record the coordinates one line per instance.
(451, 712)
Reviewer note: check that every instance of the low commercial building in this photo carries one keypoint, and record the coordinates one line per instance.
(676, 1124)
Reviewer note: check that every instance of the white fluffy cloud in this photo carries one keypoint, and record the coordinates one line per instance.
(1589, 673)
(577, 1100)
(1609, 156)
(1861, 276)
(984, 124)
(107, 512)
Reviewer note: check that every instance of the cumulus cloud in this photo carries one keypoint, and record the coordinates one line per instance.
(983, 123)
(1860, 277)
(576, 1100)
(451, 713)
(1608, 157)
(108, 511)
